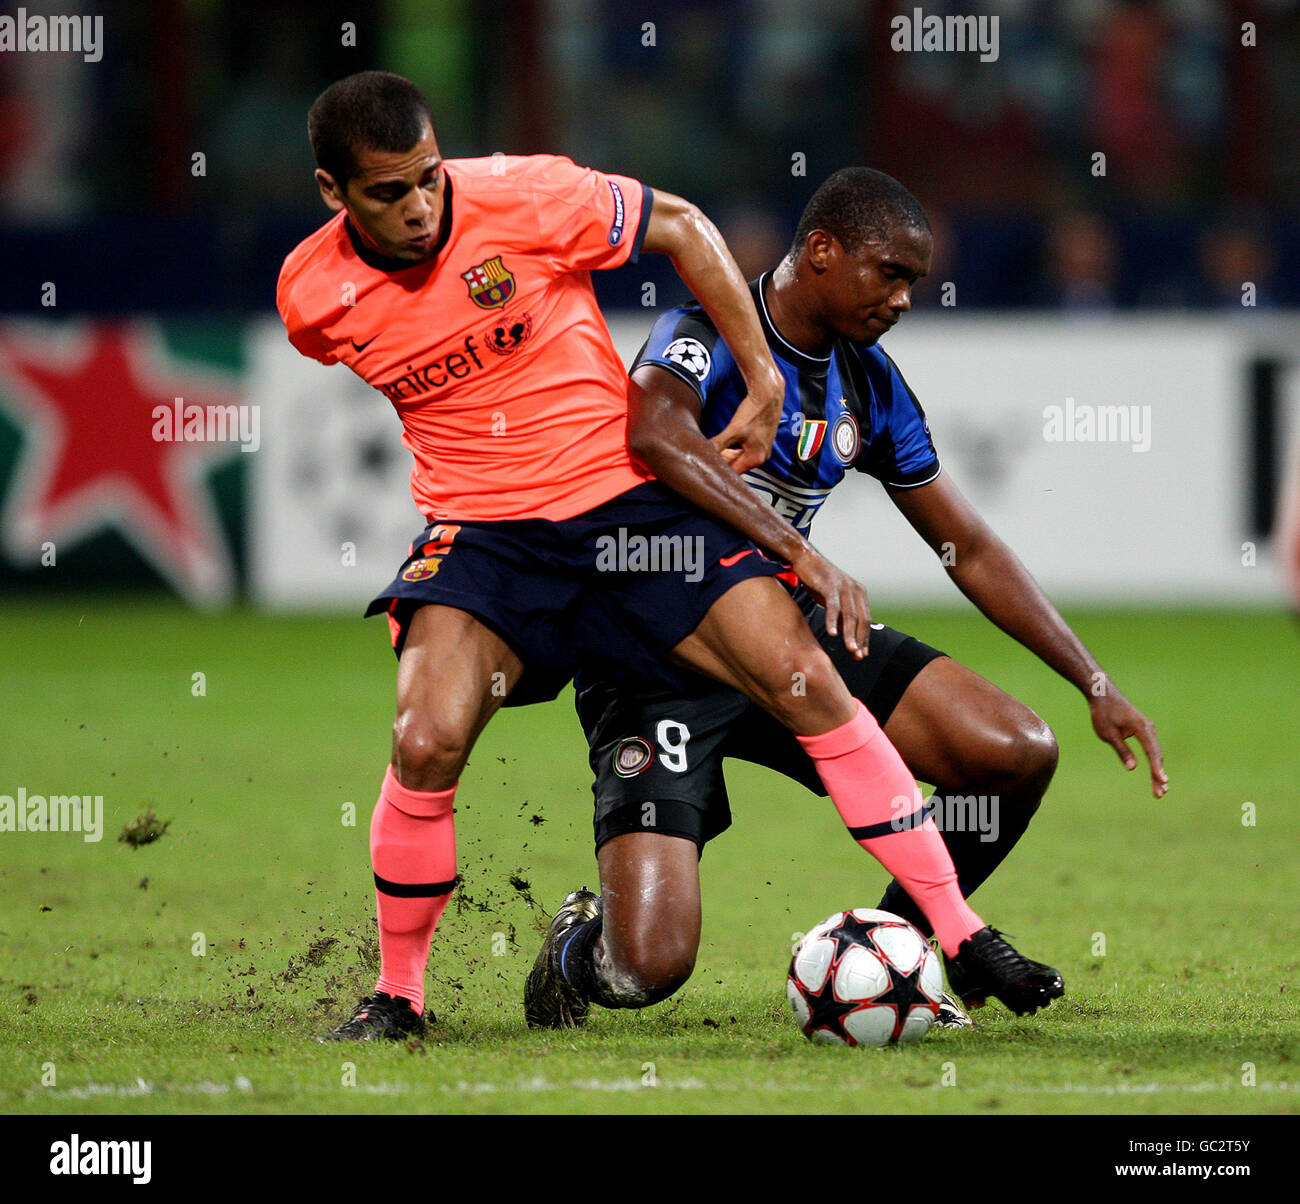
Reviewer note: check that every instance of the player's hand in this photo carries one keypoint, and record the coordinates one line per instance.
(848, 612)
(747, 440)
(1116, 720)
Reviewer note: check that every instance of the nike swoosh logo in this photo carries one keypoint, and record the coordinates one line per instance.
(728, 561)
(362, 346)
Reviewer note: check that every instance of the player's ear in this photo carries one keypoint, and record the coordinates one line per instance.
(819, 249)
(330, 190)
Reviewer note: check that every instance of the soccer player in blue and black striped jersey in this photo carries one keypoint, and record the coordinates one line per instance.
(862, 244)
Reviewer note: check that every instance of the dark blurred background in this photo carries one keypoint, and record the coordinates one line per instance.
(1117, 158)
(740, 105)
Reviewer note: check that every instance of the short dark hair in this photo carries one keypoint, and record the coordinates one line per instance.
(856, 205)
(373, 109)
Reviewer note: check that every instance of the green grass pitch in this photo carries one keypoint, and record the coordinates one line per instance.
(191, 974)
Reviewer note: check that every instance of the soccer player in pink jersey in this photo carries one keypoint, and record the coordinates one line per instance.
(461, 290)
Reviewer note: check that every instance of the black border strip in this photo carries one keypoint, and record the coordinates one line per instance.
(414, 890)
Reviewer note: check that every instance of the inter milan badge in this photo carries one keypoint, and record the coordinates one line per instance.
(632, 756)
(491, 284)
(844, 438)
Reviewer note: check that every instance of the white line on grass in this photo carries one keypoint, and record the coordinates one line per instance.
(539, 1084)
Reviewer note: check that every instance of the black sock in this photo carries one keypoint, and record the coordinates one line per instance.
(959, 818)
(578, 963)
(897, 900)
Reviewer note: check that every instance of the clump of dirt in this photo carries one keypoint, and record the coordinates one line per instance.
(310, 969)
(313, 957)
(336, 965)
(144, 829)
(523, 888)
(365, 940)
(317, 950)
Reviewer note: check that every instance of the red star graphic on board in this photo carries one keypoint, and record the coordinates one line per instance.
(86, 400)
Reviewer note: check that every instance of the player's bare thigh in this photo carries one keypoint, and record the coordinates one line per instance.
(955, 729)
(756, 640)
(454, 674)
(650, 931)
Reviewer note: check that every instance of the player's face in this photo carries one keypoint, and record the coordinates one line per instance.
(867, 292)
(395, 200)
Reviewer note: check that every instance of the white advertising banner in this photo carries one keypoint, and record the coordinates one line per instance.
(1116, 458)
(1119, 459)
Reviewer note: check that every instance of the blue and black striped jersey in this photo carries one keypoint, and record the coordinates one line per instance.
(850, 409)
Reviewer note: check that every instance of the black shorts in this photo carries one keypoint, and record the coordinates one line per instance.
(657, 756)
(646, 558)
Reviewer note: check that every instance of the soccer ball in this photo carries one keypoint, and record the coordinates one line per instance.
(864, 977)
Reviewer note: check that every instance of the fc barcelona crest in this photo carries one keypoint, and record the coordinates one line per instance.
(421, 570)
(491, 284)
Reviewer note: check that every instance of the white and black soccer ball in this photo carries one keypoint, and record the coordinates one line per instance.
(864, 977)
(690, 354)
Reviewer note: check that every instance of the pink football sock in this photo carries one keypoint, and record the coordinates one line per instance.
(878, 800)
(413, 852)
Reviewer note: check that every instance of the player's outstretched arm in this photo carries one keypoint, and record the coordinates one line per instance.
(990, 574)
(664, 435)
(680, 231)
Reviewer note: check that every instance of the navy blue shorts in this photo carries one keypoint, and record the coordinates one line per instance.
(656, 755)
(646, 558)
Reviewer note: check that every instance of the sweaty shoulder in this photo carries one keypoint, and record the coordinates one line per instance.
(306, 291)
